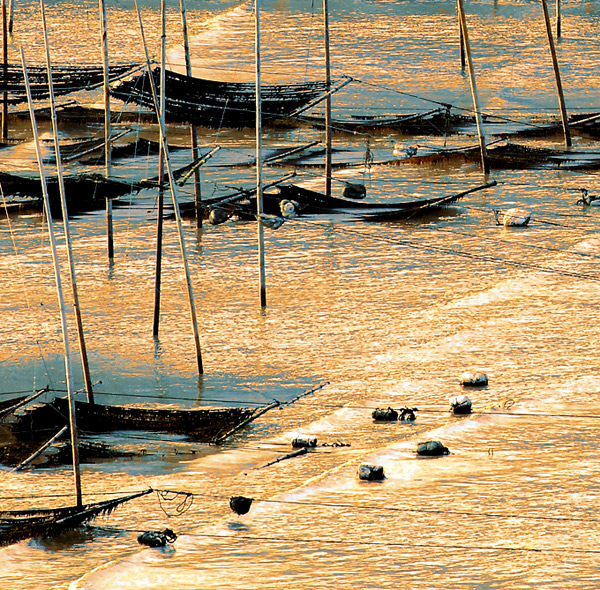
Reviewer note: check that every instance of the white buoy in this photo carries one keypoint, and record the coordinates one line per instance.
(514, 217)
(289, 209)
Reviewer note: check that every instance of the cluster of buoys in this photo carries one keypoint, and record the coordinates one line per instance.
(391, 415)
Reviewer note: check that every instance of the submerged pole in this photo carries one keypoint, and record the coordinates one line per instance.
(328, 129)
(193, 130)
(163, 142)
(463, 23)
(259, 187)
(161, 160)
(63, 202)
(559, 88)
(61, 302)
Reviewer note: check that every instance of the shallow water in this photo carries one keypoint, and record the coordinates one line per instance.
(387, 314)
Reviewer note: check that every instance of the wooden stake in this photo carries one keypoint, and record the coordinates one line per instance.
(4, 132)
(193, 130)
(328, 130)
(461, 42)
(259, 187)
(463, 23)
(161, 160)
(61, 302)
(559, 88)
(163, 142)
(66, 225)
(558, 21)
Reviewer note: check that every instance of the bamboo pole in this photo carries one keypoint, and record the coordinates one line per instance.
(463, 23)
(107, 142)
(40, 450)
(61, 303)
(461, 42)
(66, 225)
(328, 129)
(259, 187)
(163, 142)
(558, 20)
(559, 88)
(4, 132)
(161, 160)
(193, 130)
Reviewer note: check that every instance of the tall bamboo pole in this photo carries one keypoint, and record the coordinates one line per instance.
(61, 302)
(559, 88)
(328, 130)
(107, 143)
(4, 132)
(461, 42)
(259, 186)
(163, 142)
(66, 225)
(193, 130)
(463, 23)
(161, 160)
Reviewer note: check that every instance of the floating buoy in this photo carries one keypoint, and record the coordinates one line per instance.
(289, 209)
(354, 190)
(432, 448)
(371, 472)
(157, 538)
(240, 504)
(515, 217)
(408, 414)
(473, 379)
(385, 415)
(460, 404)
(271, 221)
(218, 216)
(304, 442)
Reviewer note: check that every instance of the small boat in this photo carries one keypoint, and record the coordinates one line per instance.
(205, 424)
(219, 104)
(514, 217)
(40, 523)
(66, 79)
(437, 121)
(313, 202)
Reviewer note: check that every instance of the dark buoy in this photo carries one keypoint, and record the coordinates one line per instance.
(354, 190)
(304, 442)
(371, 472)
(460, 404)
(408, 414)
(432, 448)
(157, 538)
(385, 415)
(240, 504)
